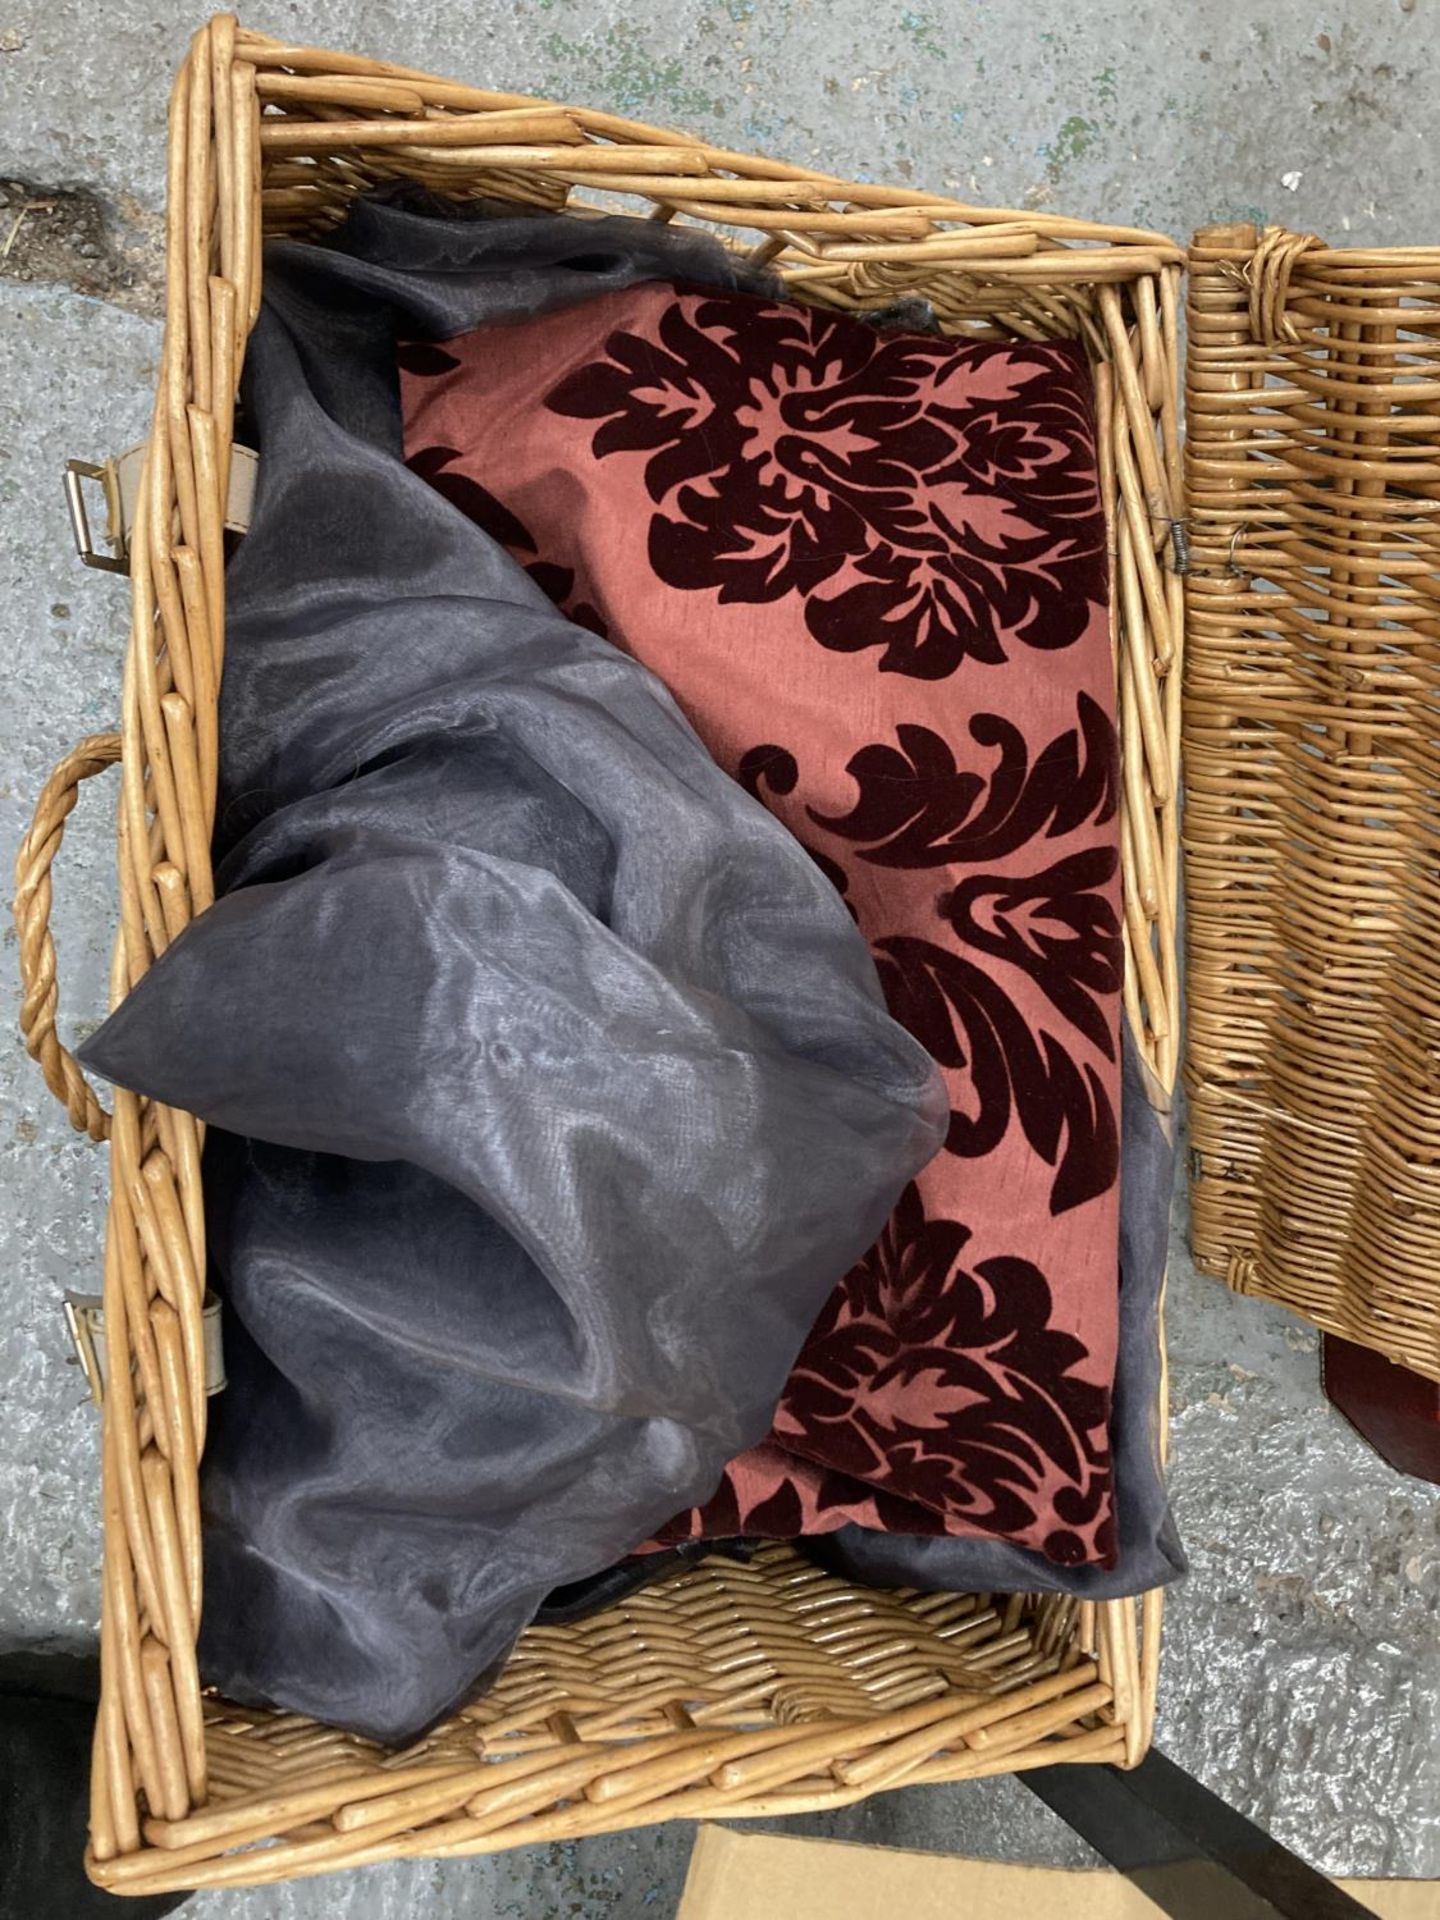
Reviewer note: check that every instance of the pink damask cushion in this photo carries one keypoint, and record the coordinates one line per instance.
(871, 568)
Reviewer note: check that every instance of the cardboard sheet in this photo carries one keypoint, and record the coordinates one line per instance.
(736, 1875)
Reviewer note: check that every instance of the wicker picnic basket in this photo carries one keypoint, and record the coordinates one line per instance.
(1312, 744)
(732, 1689)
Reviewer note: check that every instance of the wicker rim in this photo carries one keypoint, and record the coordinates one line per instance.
(727, 1690)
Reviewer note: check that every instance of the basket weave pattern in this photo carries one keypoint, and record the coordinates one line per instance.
(730, 1689)
(1313, 766)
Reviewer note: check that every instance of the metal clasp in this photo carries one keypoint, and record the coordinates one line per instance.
(121, 478)
(76, 471)
(84, 1314)
(85, 1318)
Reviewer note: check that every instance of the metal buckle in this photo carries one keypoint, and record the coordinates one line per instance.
(121, 479)
(85, 1318)
(75, 471)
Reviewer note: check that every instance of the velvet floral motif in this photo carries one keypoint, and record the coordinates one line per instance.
(1058, 924)
(946, 1379)
(915, 808)
(790, 451)
(957, 1373)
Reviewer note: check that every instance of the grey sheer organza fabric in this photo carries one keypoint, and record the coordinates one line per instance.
(1147, 1543)
(551, 1085)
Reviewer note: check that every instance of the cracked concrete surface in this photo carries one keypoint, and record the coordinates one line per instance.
(70, 237)
(1301, 1676)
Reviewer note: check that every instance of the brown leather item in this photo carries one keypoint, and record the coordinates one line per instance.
(1396, 1410)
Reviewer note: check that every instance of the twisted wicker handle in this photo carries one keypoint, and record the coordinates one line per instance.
(32, 922)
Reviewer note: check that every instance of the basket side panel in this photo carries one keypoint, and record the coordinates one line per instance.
(151, 1735)
(1312, 816)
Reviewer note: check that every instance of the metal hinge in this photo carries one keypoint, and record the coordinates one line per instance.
(85, 1318)
(119, 479)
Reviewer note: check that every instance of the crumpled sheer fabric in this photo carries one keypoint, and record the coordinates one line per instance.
(551, 1082)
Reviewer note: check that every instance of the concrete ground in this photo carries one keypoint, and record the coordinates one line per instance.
(1301, 1676)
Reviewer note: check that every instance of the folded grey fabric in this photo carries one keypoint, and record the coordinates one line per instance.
(1147, 1543)
(552, 1084)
